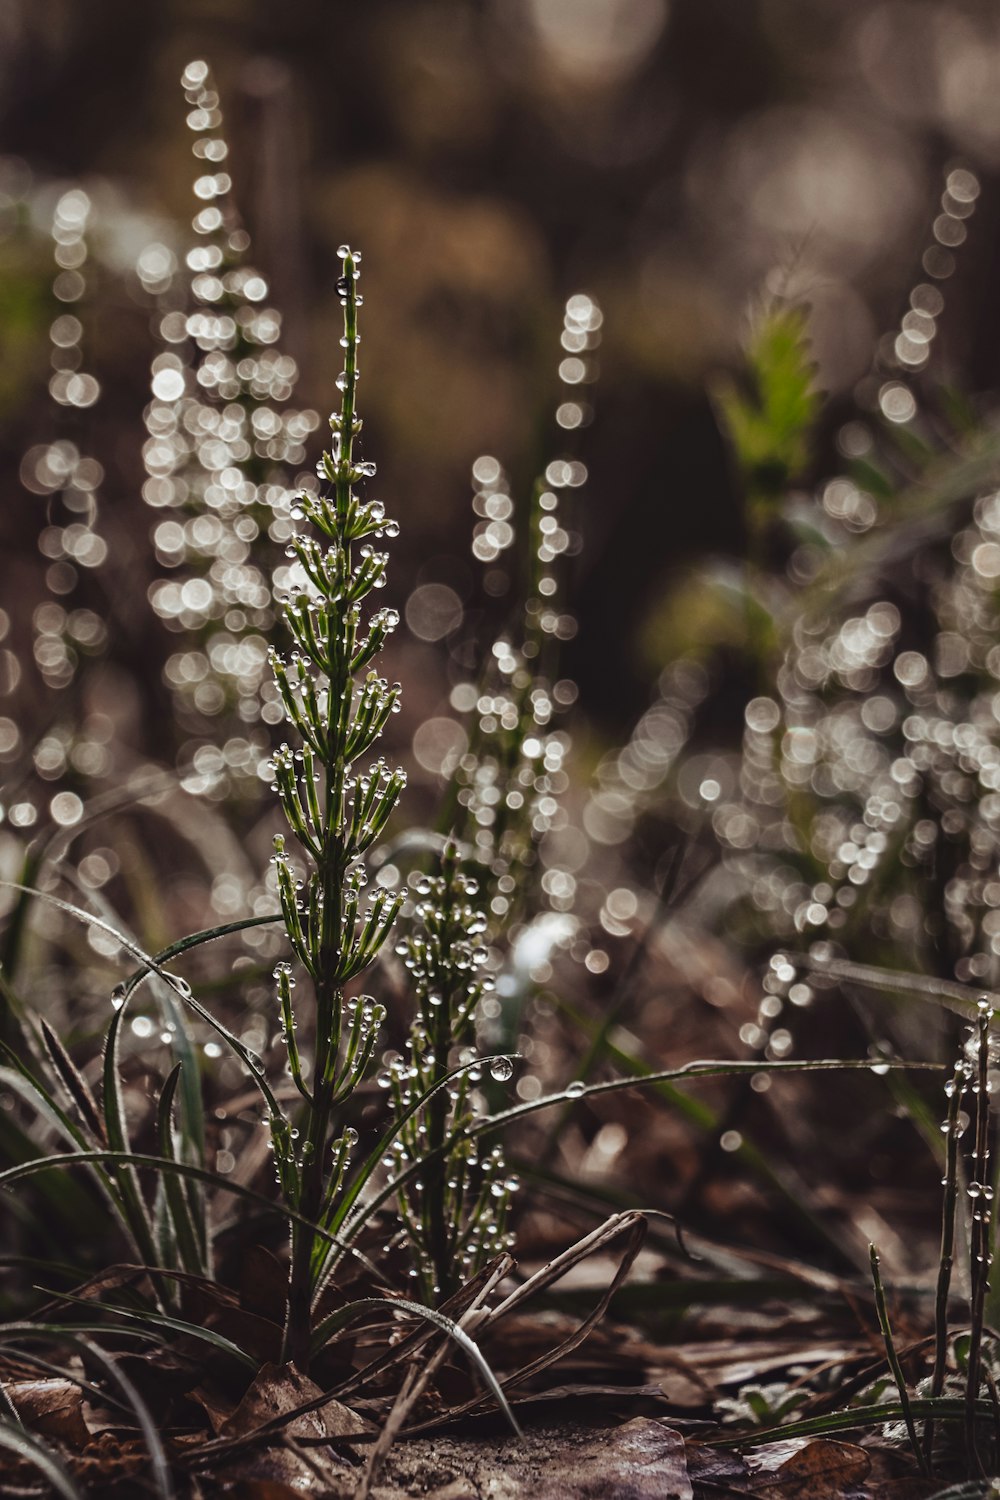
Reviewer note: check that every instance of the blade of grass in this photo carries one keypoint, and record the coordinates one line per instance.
(134, 1207)
(854, 1418)
(158, 1460)
(946, 1256)
(791, 1187)
(147, 1318)
(179, 986)
(184, 1169)
(188, 1240)
(34, 1451)
(893, 1359)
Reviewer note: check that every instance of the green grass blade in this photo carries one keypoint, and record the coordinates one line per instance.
(163, 1164)
(73, 1082)
(134, 1207)
(195, 940)
(157, 1457)
(693, 1070)
(782, 1179)
(179, 986)
(187, 1238)
(147, 1318)
(852, 1418)
(34, 1451)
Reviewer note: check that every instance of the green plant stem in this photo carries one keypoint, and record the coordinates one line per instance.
(893, 1358)
(332, 872)
(980, 1240)
(946, 1260)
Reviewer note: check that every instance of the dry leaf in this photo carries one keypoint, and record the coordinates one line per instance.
(279, 1389)
(53, 1407)
(823, 1470)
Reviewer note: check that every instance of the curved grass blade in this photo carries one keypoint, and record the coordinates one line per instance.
(693, 1070)
(51, 1367)
(697, 1069)
(345, 1315)
(74, 1083)
(187, 1239)
(194, 940)
(179, 986)
(200, 1174)
(135, 1209)
(893, 1360)
(959, 998)
(157, 1457)
(854, 1417)
(783, 1179)
(34, 1451)
(163, 1320)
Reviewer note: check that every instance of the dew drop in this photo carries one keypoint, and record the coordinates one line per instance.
(501, 1069)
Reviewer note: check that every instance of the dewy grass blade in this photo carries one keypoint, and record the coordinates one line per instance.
(693, 1070)
(187, 1238)
(195, 940)
(135, 1210)
(954, 1090)
(74, 1083)
(179, 986)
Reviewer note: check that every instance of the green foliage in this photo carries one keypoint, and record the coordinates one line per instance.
(453, 1212)
(338, 706)
(770, 412)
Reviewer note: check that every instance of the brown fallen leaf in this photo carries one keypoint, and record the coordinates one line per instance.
(822, 1470)
(217, 1406)
(53, 1407)
(279, 1389)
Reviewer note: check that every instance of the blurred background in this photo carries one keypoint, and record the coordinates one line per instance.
(671, 158)
(570, 212)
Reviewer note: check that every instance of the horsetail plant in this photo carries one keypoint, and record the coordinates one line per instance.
(337, 707)
(454, 1212)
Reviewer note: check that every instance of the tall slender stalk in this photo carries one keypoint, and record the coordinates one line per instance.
(981, 1255)
(454, 1214)
(955, 1089)
(338, 708)
(893, 1359)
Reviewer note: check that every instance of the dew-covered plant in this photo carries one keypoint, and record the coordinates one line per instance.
(337, 706)
(453, 1210)
(222, 450)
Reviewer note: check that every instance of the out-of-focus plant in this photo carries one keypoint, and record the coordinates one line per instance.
(223, 450)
